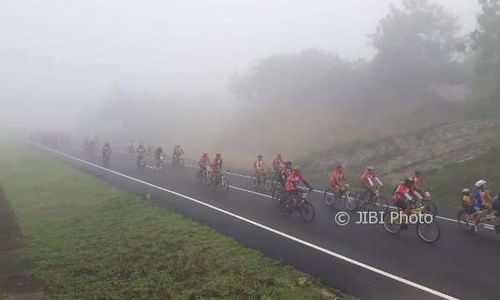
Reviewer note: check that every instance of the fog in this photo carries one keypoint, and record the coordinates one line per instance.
(64, 62)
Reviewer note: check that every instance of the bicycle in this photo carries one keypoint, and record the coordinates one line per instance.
(259, 179)
(141, 162)
(178, 161)
(219, 182)
(428, 230)
(468, 223)
(302, 205)
(160, 163)
(330, 197)
(369, 200)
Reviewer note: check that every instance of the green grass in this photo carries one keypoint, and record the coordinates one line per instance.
(87, 239)
(449, 181)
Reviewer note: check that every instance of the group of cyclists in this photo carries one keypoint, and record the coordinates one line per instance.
(288, 178)
(478, 202)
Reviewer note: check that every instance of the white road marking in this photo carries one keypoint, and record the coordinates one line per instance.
(275, 231)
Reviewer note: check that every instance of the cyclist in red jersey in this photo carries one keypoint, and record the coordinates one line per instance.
(291, 189)
(419, 180)
(260, 166)
(370, 181)
(337, 180)
(404, 194)
(278, 163)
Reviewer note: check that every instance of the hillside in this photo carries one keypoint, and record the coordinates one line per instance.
(445, 151)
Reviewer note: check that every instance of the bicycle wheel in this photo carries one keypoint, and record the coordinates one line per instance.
(429, 232)
(307, 212)
(392, 223)
(329, 197)
(465, 222)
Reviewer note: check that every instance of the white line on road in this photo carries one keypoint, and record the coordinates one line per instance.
(277, 232)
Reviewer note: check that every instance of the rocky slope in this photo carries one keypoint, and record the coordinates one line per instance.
(428, 149)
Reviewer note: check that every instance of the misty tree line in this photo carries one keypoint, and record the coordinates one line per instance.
(418, 47)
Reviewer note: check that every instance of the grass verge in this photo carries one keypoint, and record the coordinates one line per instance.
(87, 239)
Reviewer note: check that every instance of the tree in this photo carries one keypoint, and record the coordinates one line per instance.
(310, 76)
(415, 45)
(486, 40)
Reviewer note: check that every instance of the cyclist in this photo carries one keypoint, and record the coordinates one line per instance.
(158, 156)
(106, 151)
(278, 163)
(369, 181)
(404, 194)
(216, 166)
(260, 168)
(480, 199)
(203, 163)
(178, 152)
(140, 151)
(420, 182)
(291, 190)
(284, 172)
(337, 180)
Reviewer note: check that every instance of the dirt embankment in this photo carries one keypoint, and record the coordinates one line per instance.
(427, 149)
(16, 280)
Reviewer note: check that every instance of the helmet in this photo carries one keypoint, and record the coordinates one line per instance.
(466, 190)
(370, 168)
(480, 183)
(297, 168)
(409, 181)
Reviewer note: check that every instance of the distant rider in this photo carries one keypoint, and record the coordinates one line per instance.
(370, 181)
(140, 151)
(106, 150)
(278, 163)
(178, 152)
(216, 166)
(259, 167)
(337, 180)
(291, 189)
(284, 173)
(481, 199)
(203, 163)
(158, 156)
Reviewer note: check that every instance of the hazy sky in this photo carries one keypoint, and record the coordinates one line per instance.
(73, 53)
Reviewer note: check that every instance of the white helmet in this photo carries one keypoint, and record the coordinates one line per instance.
(480, 183)
(466, 190)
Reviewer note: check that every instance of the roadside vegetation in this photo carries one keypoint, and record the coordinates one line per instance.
(87, 239)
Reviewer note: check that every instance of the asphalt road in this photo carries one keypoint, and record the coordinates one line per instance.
(362, 260)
